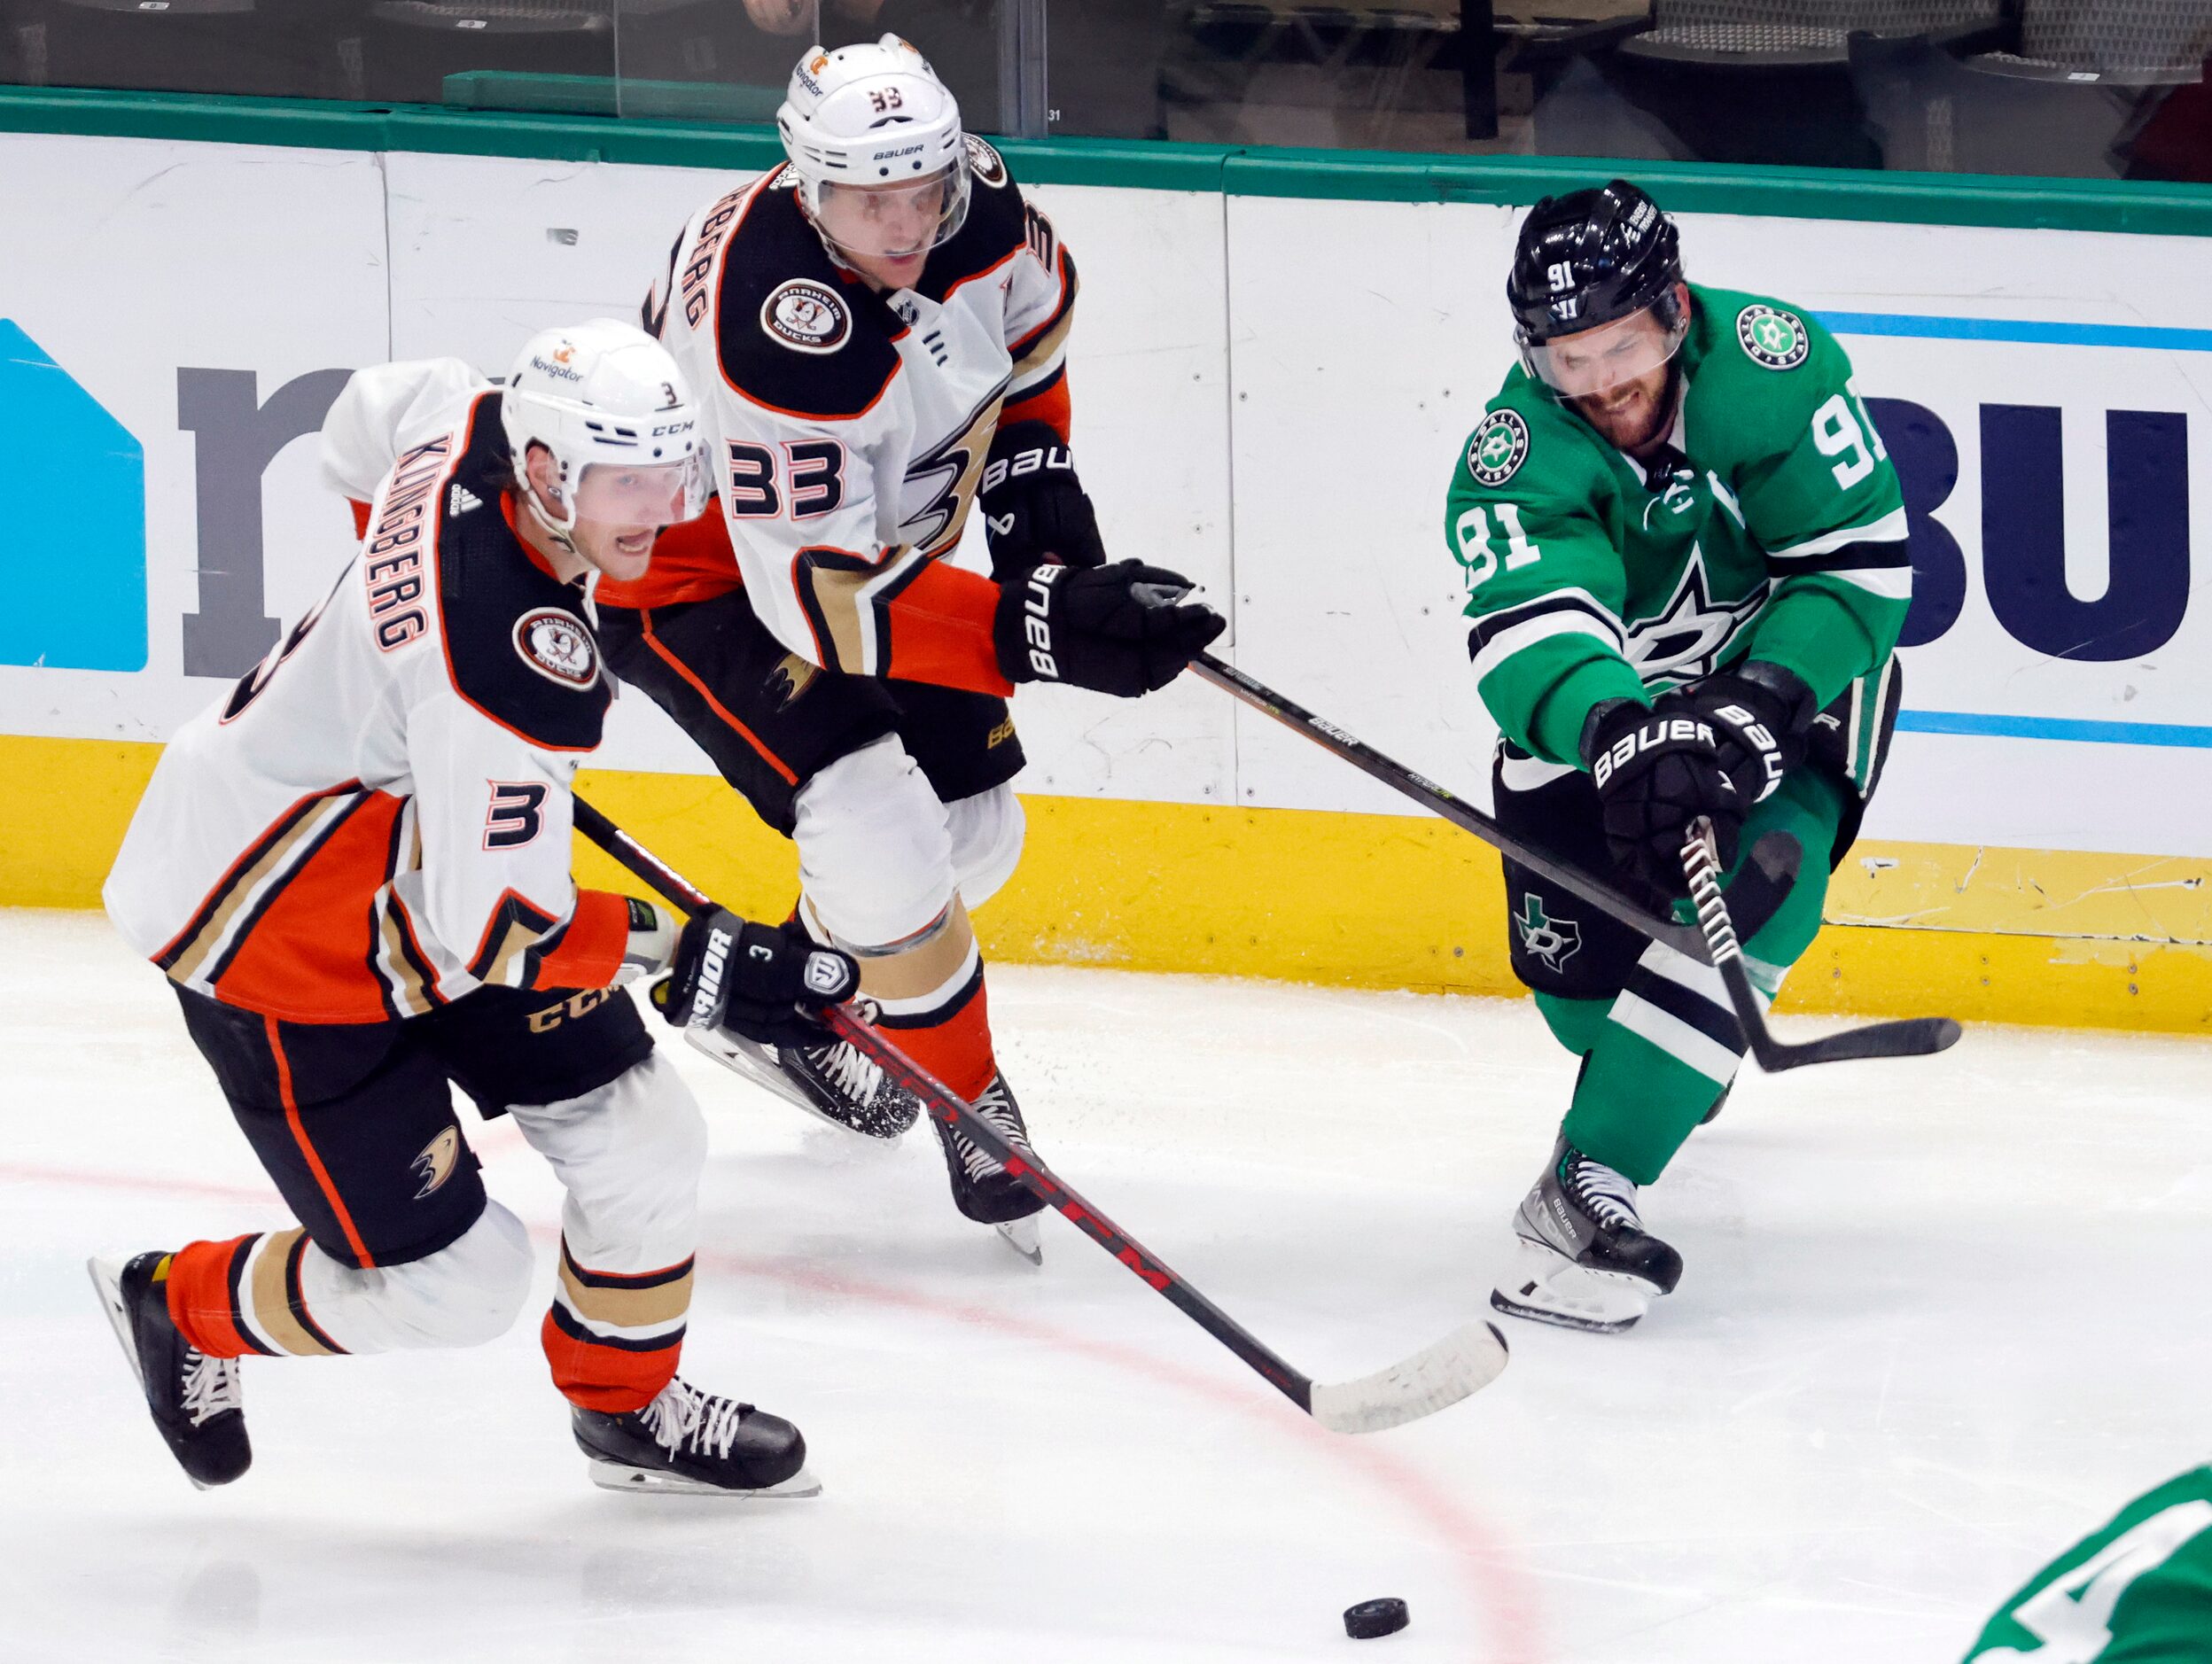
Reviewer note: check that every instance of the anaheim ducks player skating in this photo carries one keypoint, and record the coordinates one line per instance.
(355, 871)
(880, 329)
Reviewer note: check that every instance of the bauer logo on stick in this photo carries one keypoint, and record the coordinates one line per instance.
(1773, 337)
(806, 317)
(556, 645)
(1501, 444)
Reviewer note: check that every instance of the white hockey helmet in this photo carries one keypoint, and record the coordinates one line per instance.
(874, 115)
(604, 395)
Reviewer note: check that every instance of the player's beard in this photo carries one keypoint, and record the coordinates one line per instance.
(1638, 420)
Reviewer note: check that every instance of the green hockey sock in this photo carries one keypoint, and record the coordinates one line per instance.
(1650, 1076)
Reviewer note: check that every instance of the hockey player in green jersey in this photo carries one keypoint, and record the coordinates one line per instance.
(2136, 1591)
(1685, 557)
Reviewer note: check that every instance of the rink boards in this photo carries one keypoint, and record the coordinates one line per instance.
(1271, 390)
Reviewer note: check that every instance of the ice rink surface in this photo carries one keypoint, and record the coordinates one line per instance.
(1939, 1319)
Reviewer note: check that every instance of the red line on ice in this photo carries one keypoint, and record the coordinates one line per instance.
(1491, 1580)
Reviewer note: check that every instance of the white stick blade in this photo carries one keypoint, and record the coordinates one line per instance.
(1464, 1362)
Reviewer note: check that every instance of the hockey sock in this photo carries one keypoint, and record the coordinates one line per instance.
(613, 1338)
(931, 994)
(1670, 1045)
(228, 1299)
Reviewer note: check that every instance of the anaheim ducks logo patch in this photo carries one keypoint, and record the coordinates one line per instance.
(806, 317)
(556, 645)
(437, 1162)
(790, 679)
(987, 166)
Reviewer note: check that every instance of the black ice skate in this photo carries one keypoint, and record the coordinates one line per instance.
(832, 1081)
(1585, 1260)
(696, 1444)
(194, 1398)
(984, 1190)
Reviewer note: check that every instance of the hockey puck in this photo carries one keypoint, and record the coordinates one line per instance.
(1371, 1618)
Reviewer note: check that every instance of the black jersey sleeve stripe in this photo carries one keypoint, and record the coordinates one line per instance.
(1493, 625)
(1850, 557)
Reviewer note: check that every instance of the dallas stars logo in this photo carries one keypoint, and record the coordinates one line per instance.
(1501, 446)
(1554, 941)
(1773, 337)
(1688, 634)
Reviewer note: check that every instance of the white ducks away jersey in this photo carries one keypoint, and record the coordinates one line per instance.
(376, 820)
(849, 429)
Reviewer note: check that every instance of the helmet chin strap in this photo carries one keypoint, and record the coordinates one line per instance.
(562, 537)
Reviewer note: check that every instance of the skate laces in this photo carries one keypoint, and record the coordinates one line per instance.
(995, 1105)
(1604, 1195)
(211, 1385)
(683, 1414)
(849, 1070)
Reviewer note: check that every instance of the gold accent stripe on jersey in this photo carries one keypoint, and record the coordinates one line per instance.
(835, 595)
(930, 968)
(401, 974)
(516, 939)
(625, 1308)
(273, 1314)
(1048, 344)
(247, 883)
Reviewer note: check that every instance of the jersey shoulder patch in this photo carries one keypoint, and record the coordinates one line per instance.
(517, 645)
(1498, 447)
(1772, 336)
(790, 331)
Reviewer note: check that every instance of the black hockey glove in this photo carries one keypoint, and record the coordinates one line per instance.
(1122, 629)
(755, 980)
(1656, 771)
(1034, 510)
(1761, 714)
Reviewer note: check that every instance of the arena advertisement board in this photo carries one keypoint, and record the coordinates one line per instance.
(1270, 392)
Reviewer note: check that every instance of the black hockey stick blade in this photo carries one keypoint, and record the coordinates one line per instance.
(1464, 1362)
(1915, 1037)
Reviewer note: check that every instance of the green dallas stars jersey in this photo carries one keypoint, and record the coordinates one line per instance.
(1773, 528)
(2139, 1591)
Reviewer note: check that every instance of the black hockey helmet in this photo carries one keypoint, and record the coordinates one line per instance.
(1587, 268)
(1590, 257)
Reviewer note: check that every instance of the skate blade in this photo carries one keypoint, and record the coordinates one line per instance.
(640, 1480)
(1021, 1236)
(1546, 1287)
(107, 1281)
(752, 1062)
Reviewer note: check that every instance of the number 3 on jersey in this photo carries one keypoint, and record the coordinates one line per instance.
(1474, 536)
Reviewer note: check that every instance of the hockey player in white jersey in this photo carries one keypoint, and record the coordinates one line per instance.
(879, 332)
(354, 869)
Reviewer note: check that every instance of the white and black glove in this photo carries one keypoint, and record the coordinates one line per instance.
(1122, 629)
(758, 981)
(1034, 509)
(1761, 714)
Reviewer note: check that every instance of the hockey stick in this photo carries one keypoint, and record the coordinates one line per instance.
(1760, 888)
(1915, 1037)
(1463, 1362)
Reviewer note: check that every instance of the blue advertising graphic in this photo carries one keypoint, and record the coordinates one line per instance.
(73, 520)
(2023, 517)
